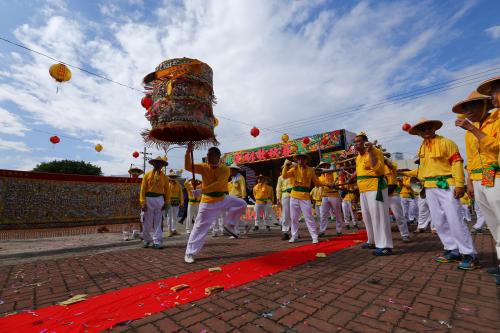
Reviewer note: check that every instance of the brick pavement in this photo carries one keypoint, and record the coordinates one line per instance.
(350, 291)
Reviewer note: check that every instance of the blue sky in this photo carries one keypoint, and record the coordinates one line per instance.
(275, 62)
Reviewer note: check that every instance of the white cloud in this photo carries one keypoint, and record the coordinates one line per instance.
(494, 31)
(18, 146)
(11, 124)
(274, 62)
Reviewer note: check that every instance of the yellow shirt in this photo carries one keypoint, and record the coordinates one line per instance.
(439, 156)
(189, 187)
(350, 193)
(283, 188)
(406, 191)
(317, 195)
(154, 182)
(214, 180)
(238, 188)
(176, 195)
(303, 177)
(329, 178)
(364, 168)
(483, 153)
(465, 200)
(391, 173)
(263, 193)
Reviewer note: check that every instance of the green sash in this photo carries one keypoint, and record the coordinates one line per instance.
(300, 189)
(381, 184)
(441, 181)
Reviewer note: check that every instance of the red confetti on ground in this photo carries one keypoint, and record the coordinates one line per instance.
(104, 311)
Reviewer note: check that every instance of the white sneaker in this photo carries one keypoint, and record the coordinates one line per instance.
(315, 241)
(292, 240)
(188, 258)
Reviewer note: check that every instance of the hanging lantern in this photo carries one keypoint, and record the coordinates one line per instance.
(285, 138)
(135, 154)
(54, 139)
(60, 72)
(98, 147)
(216, 122)
(406, 127)
(146, 102)
(254, 132)
(306, 140)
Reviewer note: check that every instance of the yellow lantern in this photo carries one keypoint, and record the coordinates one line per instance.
(285, 138)
(216, 122)
(60, 72)
(98, 147)
(461, 116)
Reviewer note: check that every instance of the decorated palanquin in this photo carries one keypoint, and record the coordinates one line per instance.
(181, 109)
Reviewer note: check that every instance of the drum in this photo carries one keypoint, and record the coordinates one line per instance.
(182, 94)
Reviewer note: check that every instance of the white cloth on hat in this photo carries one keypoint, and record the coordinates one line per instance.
(207, 214)
(328, 206)
(298, 206)
(285, 214)
(376, 218)
(397, 210)
(488, 199)
(447, 219)
(153, 220)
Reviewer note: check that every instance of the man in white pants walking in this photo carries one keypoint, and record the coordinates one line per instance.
(176, 200)
(154, 198)
(214, 200)
(330, 202)
(482, 143)
(441, 166)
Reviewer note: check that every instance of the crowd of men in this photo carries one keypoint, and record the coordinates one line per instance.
(434, 193)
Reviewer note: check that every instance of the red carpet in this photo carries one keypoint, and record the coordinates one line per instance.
(101, 312)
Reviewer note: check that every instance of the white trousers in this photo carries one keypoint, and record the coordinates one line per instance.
(409, 205)
(424, 215)
(397, 210)
(171, 218)
(261, 211)
(447, 219)
(480, 220)
(466, 213)
(298, 206)
(153, 220)
(207, 214)
(376, 218)
(488, 199)
(192, 211)
(285, 214)
(348, 212)
(328, 206)
(218, 226)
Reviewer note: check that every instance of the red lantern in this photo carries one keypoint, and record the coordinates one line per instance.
(146, 102)
(255, 132)
(306, 140)
(406, 127)
(324, 141)
(135, 154)
(55, 139)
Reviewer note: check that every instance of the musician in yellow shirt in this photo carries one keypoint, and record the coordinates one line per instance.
(481, 120)
(283, 190)
(331, 203)
(193, 203)
(408, 201)
(316, 197)
(441, 168)
(303, 176)
(176, 200)
(370, 175)
(237, 187)
(154, 198)
(263, 195)
(213, 200)
(349, 195)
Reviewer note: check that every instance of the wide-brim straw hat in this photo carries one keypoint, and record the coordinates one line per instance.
(261, 176)
(473, 96)
(296, 156)
(234, 166)
(158, 159)
(323, 163)
(485, 87)
(415, 129)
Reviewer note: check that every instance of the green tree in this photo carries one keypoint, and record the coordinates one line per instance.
(68, 166)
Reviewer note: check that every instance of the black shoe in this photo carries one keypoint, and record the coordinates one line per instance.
(493, 270)
(475, 231)
(276, 223)
(285, 236)
(322, 234)
(158, 246)
(268, 228)
(339, 234)
(256, 228)
(497, 280)
(348, 227)
(420, 231)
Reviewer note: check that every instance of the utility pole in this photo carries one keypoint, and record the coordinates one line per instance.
(145, 155)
